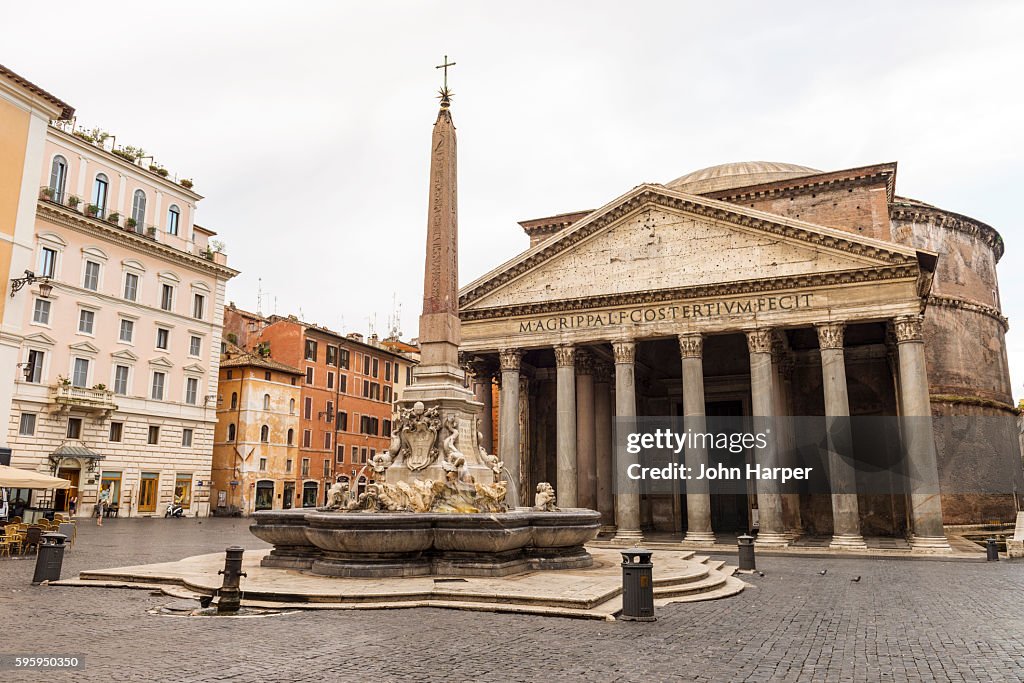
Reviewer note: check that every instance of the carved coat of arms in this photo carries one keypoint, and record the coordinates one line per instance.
(418, 430)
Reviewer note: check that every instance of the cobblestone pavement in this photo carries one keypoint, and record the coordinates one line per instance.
(905, 620)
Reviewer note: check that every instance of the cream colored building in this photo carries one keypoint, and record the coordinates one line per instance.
(119, 360)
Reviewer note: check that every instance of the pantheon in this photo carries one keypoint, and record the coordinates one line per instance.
(756, 289)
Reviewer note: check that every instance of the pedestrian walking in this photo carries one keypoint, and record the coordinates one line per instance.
(101, 505)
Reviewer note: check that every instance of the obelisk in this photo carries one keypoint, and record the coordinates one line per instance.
(438, 381)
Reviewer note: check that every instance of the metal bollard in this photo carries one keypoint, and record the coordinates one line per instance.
(637, 585)
(49, 558)
(229, 593)
(991, 550)
(746, 552)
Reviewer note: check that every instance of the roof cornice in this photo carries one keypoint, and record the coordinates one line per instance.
(62, 109)
(905, 210)
(812, 183)
(70, 219)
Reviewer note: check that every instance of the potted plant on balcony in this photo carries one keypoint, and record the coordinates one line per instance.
(114, 217)
(130, 223)
(100, 387)
(47, 193)
(63, 381)
(186, 183)
(74, 201)
(91, 210)
(151, 233)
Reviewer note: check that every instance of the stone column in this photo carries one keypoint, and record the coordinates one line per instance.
(782, 366)
(698, 496)
(922, 469)
(603, 446)
(627, 505)
(483, 393)
(565, 443)
(769, 502)
(586, 457)
(508, 413)
(841, 472)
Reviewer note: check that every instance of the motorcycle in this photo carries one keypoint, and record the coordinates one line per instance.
(174, 510)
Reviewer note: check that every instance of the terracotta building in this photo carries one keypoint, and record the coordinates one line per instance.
(346, 398)
(255, 450)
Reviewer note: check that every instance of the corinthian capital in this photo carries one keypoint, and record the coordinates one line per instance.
(565, 355)
(510, 359)
(691, 345)
(625, 351)
(759, 340)
(584, 363)
(830, 335)
(908, 328)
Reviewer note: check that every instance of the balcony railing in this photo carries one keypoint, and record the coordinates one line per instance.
(128, 224)
(97, 399)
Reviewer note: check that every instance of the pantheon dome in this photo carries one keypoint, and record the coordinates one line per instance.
(738, 174)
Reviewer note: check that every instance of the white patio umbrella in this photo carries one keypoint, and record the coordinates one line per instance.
(15, 478)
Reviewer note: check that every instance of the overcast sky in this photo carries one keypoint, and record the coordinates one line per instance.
(307, 125)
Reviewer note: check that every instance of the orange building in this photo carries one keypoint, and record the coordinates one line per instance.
(255, 448)
(347, 394)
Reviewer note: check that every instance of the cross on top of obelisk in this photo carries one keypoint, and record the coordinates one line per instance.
(445, 94)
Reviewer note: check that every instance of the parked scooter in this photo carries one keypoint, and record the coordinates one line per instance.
(174, 510)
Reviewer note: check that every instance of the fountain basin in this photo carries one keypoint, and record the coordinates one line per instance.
(368, 544)
(286, 531)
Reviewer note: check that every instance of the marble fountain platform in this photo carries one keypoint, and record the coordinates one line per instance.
(592, 592)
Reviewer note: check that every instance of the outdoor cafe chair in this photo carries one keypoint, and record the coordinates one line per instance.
(69, 530)
(33, 537)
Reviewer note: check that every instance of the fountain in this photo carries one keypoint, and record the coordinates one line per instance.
(440, 504)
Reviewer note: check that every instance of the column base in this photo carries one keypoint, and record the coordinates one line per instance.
(628, 536)
(701, 537)
(847, 542)
(929, 544)
(771, 539)
(607, 529)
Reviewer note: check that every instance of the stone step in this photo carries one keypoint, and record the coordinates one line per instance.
(713, 581)
(731, 586)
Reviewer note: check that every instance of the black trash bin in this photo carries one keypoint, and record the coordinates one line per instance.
(746, 552)
(991, 550)
(637, 585)
(49, 558)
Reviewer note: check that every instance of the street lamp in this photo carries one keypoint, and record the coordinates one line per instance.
(45, 288)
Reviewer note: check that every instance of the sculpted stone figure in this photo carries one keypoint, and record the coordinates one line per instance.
(453, 459)
(544, 501)
(337, 496)
(491, 497)
(368, 501)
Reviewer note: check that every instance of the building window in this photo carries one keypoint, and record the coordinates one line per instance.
(131, 286)
(153, 436)
(376, 367)
(186, 437)
(355, 455)
(99, 194)
(195, 346)
(387, 394)
(127, 331)
(343, 357)
(173, 218)
(163, 338)
(330, 411)
(80, 374)
(307, 438)
(327, 440)
(74, 428)
(86, 321)
(268, 376)
(408, 375)
(366, 388)
(58, 178)
(157, 393)
(191, 390)
(305, 467)
(366, 365)
(47, 262)
(309, 494)
(330, 380)
(291, 406)
(332, 355)
(92, 276)
(139, 209)
(231, 432)
(121, 380)
(362, 456)
(27, 426)
(288, 464)
(307, 408)
(266, 401)
(311, 350)
(385, 428)
(387, 371)
(183, 487)
(291, 437)
(342, 422)
(166, 297)
(327, 469)
(341, 454)
(343, 384)
(265, 434)
(41, 312)
(116, 431)
(309, 377)
(198, 306)
(34, 373)
(263, 464)
(234, 400)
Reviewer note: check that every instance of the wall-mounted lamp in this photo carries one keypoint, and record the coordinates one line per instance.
(45, 288)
